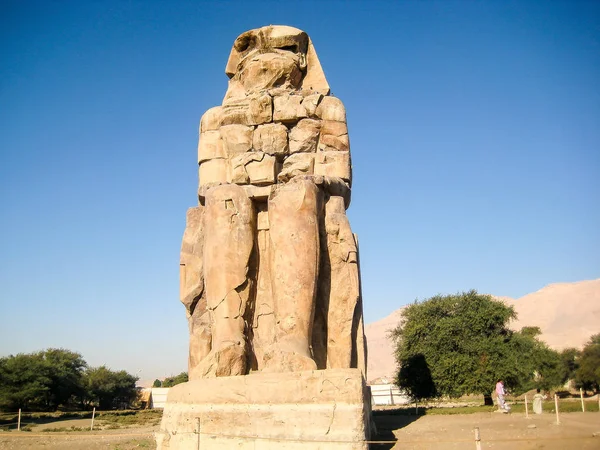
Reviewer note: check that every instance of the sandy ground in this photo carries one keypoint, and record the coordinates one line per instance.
(137, 437)
(498, 431)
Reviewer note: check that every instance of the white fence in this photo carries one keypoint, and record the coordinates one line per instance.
(388, 394)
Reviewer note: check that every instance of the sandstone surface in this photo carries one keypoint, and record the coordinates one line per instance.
(269, 269)
(278, 263)
(321, 409)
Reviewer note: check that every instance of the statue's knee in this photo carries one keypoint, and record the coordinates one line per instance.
(229, 199)
(224, 192)
(296, 193)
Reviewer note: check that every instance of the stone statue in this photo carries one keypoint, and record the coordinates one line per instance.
(269, 265)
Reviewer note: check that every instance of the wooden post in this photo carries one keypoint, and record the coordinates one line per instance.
(198, 423)
(93, 415)
(556, 409)
(19, 422)
(526, 408)
(391, 396)
(477, 439)
(582, 404)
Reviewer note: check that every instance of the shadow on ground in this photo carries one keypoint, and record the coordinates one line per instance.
(386, 421)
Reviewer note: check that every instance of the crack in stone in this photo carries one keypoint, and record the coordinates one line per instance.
(332, 418)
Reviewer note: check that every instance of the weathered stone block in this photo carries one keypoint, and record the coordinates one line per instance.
(252, 110)
(331, 108)
(297, 164)
(288, 108)
(211, 119)
(254, 167)
(304, 136)
(310, 104)
(271, 138)
(334, 164)
(257, 73)
(210, 146)
(261, 171)
(329, 142)
(260, 109)
(236, 138)
(213, 171)
(314, 410)
(331, 127)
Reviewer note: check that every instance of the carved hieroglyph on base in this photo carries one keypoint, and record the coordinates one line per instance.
(269, 264)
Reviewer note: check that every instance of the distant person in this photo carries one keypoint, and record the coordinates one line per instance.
(537, 402)
(501, 393)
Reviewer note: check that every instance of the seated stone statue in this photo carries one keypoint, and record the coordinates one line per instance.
(269, 264)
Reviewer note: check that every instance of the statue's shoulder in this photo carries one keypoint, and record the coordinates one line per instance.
(211, 119)
(331, 108)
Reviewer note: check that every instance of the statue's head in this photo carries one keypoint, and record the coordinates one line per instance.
(275, 56)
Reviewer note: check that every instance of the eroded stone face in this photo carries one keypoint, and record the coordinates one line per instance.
(269, 260)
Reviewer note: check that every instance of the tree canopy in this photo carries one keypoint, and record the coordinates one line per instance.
(587, 374)
(460, 344)
(47, 379)
(109, 389)
(43, 380)
(177, 379)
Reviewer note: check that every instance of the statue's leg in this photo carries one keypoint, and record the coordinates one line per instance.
(191, 275)
(294, 209)
(229, 224)
(200, 338)
(342, 319)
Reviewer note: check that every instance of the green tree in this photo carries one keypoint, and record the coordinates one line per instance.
(41, 380)
(587, 374)
(463, 344)
(569, 358)
(177, 379)
(23, 382)
(65, 369)
(109, 389)
(157, 383)
(531, 363)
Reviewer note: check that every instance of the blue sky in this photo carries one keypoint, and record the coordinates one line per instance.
(475, 134)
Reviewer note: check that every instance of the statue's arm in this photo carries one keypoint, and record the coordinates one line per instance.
(212, 159)
(191, 274)
(333, 160)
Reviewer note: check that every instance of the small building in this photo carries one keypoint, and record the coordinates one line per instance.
(388, 394)
(158, 398)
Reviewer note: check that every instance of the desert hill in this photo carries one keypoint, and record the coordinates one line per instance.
(567, 313)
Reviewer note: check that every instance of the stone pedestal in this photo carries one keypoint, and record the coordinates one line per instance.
(320, 409)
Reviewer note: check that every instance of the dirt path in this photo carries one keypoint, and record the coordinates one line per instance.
(121, 439)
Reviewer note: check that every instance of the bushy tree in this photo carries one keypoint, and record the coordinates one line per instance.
(157, 383)
(41, 380)
(531, 363)
(569, 359)
(177, 379)
(50, 378)
(65, 369)
(587, 374)
(463, 345)
(23, 382)
(109, 389)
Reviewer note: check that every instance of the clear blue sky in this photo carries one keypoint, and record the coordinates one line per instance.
(475, 133)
